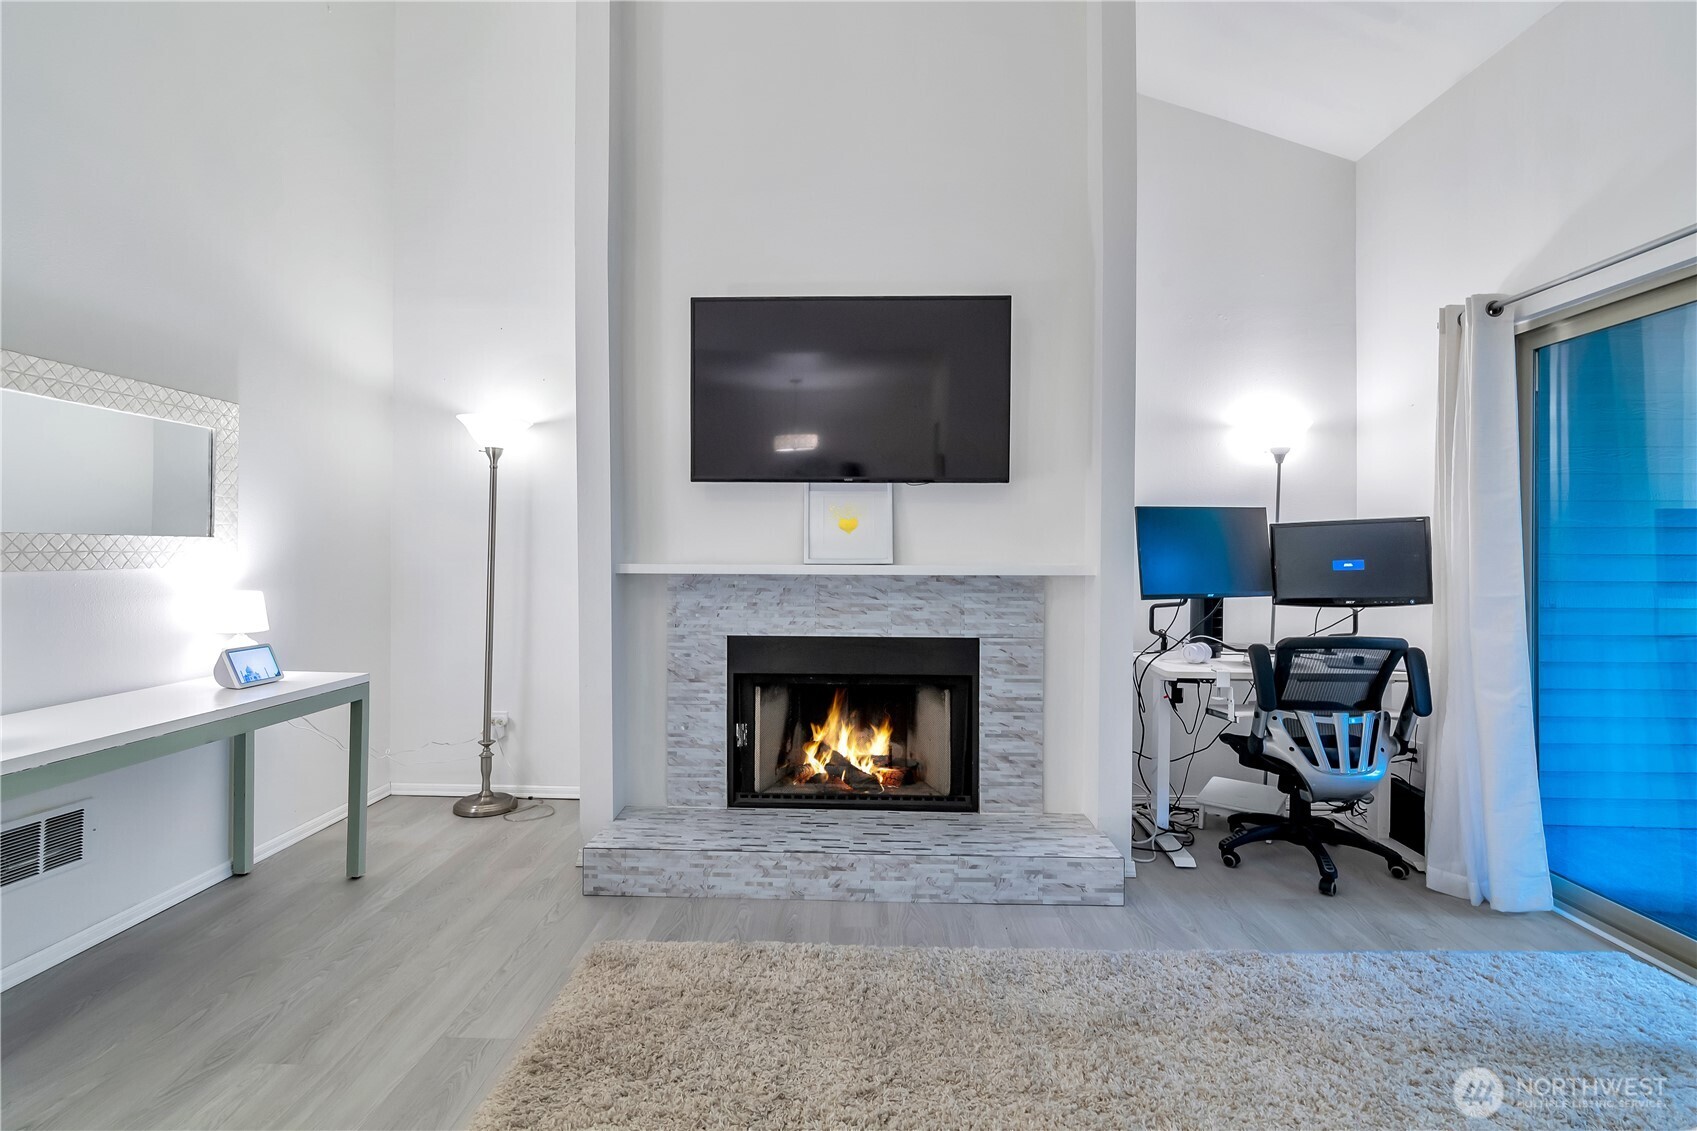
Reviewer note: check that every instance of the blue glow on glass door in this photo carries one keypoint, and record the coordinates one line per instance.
(1616, 511)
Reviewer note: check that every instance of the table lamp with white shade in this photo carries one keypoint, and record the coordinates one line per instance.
(493, 433)
(235, 613)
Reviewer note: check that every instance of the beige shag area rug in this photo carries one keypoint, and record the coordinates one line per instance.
(664, 1035)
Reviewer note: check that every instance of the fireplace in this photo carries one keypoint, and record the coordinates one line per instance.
(862, 722)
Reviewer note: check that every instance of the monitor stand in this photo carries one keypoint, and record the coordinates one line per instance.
(1208, 618)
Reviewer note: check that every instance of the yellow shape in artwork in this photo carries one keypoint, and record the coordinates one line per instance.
(848, 523)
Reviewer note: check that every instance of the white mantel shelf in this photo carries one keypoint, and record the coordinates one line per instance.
(900, 569)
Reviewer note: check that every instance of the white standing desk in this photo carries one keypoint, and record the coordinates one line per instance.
(53, 745)
(1211, 677)
(1216, 678)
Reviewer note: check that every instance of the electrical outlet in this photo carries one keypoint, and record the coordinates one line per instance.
(499, 721)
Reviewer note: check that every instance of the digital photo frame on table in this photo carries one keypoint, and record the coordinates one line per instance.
(247, 666)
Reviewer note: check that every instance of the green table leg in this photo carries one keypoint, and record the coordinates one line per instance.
(241, 803)
(359, 736)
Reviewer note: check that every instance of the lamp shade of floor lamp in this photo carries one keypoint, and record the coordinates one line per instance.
(1282, 427)
(493, 433)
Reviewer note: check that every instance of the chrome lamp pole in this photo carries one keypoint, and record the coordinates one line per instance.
(1279, 455)
(493, 434)
(1278, 451)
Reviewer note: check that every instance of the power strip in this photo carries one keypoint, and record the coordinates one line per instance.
(1166, 842)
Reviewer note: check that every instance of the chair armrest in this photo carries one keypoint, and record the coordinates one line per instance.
(1261, 667)
(1419, 683)
(1418, 702)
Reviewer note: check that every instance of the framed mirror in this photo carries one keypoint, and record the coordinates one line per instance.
(101, 472)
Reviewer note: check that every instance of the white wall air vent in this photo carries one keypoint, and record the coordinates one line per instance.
(40, 844)
(20, 853)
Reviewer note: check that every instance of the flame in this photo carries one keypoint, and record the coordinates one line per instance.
(867, 749)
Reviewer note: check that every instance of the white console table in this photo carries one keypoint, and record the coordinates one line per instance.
(53, 745)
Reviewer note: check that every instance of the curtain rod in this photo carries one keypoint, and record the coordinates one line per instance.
(1496, 308)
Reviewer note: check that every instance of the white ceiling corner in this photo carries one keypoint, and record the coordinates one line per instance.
(1339, 77)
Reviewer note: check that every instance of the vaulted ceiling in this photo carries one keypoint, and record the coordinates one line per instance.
(1340, 77)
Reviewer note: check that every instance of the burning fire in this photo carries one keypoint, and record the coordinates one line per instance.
(865, 748)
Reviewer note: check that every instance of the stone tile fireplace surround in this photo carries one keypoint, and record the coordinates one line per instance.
(1004, 613)
(1010, 851)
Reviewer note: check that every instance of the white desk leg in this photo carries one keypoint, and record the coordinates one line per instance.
(1158, 804)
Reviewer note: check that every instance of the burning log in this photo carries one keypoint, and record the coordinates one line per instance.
(850, 774)
(841, 773)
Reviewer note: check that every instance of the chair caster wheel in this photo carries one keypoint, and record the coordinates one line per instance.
(1230, 859)
(1328, 886)
(1399, 871)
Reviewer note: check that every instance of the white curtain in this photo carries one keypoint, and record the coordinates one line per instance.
(1485, 828)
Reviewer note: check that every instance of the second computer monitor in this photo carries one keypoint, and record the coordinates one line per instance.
(1356, 564)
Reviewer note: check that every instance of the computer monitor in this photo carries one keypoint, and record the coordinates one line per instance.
(1362, 563)
(1203, 552)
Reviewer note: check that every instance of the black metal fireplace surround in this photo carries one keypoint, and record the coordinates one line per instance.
(853, 722)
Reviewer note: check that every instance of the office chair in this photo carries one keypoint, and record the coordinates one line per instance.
(1320, 727)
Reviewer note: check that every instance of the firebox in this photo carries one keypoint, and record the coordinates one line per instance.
(867, 722)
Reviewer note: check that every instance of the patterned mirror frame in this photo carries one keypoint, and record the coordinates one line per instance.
(23, 551)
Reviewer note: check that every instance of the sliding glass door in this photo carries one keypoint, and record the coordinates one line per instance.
(1610, 415)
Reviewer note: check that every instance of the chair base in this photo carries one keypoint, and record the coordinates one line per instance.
(1311, 832)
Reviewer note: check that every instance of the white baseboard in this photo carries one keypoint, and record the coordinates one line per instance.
(301, 831)
(50, 956)
(437, 789)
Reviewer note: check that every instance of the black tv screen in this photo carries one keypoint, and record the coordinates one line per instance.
(1357, 562)
(853, 390)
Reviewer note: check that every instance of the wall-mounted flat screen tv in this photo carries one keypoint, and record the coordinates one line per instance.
(851, 390)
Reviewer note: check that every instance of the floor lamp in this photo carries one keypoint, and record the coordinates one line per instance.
(493, 433)
(1282, 427)
(1279, 453)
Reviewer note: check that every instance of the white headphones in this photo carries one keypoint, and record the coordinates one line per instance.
(1196, 652)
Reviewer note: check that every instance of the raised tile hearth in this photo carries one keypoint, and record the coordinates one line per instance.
(1053, 859)
(935, 658)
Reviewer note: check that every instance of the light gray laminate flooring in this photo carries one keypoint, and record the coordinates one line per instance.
(296, 998)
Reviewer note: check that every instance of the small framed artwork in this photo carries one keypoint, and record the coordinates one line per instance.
(850, 524)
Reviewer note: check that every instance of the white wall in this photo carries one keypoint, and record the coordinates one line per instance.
(1246, 286)
(198, 196)
(1576, 141)
(1087, 638)
(484, 295)
(858, 149)
(847, 149)
(602, 772)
